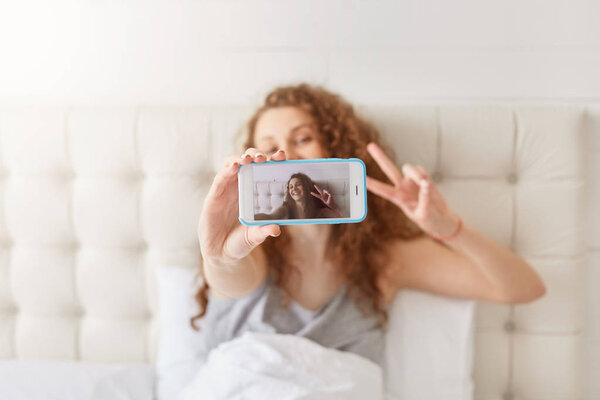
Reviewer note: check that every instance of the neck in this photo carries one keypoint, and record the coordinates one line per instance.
(309, 233)
(299, 209)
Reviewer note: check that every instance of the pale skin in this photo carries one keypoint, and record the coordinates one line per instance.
(470, 265)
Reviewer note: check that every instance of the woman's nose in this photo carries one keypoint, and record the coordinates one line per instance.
(290, 154)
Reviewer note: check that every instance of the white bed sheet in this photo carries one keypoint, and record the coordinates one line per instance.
(259, 366)
(70, 380)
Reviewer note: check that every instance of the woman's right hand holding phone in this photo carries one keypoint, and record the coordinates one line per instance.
(223, 239)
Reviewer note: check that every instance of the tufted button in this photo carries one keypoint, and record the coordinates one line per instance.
(69, 175)
(134, 175)
(143, 246)
(436, 177)
(138, 175)
(75, 246)
(508, 395)
(512, 178)
(509, 326)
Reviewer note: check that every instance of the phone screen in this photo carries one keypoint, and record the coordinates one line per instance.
(300, 192)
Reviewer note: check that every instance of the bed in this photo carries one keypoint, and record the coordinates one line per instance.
(96, 200)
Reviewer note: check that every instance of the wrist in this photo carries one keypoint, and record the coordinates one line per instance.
(222, 262)
(449, 228)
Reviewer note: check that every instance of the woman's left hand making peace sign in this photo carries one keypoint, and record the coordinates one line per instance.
(325, 197)
(414, 192)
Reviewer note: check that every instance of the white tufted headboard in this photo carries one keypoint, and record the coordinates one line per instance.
(93, 199)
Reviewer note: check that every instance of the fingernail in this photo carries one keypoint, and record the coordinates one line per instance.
(259, 154)
(424, 182)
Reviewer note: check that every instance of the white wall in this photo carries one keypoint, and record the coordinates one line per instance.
(205, 51)
(232, 52)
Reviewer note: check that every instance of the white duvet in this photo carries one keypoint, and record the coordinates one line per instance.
(75, 380)
(285, 367)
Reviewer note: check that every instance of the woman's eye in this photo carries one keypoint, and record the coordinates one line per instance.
(271, 150)
(303, 140)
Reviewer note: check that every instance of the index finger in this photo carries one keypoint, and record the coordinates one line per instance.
(278, 156)
(386, 165)
(416, 173)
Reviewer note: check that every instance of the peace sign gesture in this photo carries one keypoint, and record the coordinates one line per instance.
(414, 193)
(325, 197)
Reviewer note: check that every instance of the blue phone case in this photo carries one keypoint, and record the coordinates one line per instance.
(333, 221)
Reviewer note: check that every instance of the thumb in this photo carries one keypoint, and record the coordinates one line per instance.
(244, 239)
(263, 231)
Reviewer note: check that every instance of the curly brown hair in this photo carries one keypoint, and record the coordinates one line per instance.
(356, 248)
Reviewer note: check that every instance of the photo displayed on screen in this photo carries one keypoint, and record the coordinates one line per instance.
(301, 191)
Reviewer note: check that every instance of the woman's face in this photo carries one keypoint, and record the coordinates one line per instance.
(290, 129)
(295, 188)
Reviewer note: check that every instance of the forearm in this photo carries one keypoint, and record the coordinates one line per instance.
(233, 280)
(514, 278)
(278, 213)
(336, 211)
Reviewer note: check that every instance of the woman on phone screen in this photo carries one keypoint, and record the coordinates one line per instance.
(303, 199)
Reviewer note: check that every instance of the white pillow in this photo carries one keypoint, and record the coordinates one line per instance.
(429, 347)
(429, 343)
(176, 362)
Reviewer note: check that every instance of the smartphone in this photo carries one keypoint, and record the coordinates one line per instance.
(318, 191)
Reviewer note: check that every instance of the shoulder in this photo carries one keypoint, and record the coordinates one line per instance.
(410, 261)
(280, 212)
(389, 279)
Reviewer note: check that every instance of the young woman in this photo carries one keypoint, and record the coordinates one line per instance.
(333, 283)
(303, 199)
